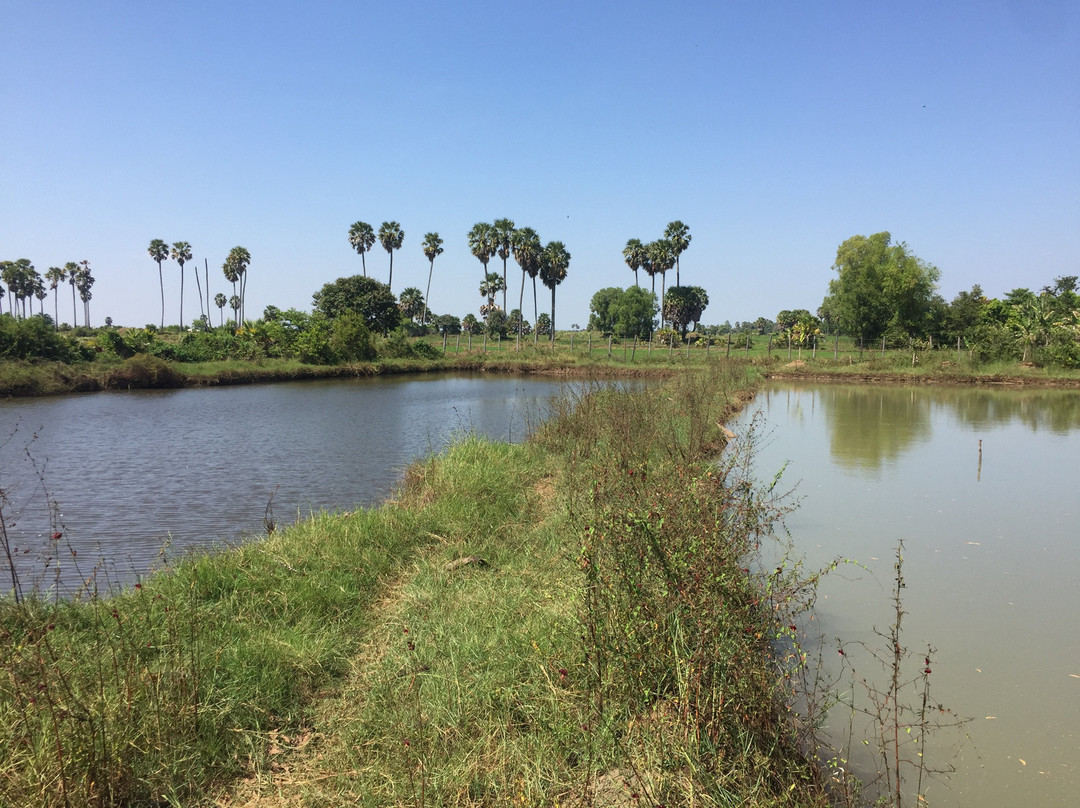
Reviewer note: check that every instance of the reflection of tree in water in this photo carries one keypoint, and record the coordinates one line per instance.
(871, 426)
(1056, 410)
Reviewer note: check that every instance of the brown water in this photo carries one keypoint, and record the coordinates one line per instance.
(133, 472)
(991, 561)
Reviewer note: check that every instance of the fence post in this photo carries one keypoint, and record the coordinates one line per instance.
(727, 353)
(747, 344)
(836, 345)
(609, 347)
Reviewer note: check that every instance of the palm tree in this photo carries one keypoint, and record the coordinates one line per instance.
(235, 269)
(181, 253)
(679, 235)
(72, 270)
(390, 236)
(504, 237)
(159, 251)
(554, 262)
(220, 301)
(362, 239)
(482, 243)
(635, 256)
(661, 258)
(432, 249)
(55, 276)
(234, 304)
(411, 302)
(86, 280)
(39, 292)
(527, 248)
(491, 286)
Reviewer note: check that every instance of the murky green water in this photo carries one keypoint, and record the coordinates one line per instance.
(991, 562)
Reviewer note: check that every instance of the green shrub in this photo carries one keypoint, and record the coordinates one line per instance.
(144, 372)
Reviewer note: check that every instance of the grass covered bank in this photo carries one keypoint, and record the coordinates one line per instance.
(569, 621)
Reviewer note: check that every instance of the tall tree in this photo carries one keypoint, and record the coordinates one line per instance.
(661, 259)
(527, 249)
(39, 292)
(635, 255)
(55, 276)
(362, 239)
(432, 249)
(492, 285)
(482, 243)
(684, 305)
(504, 237)
(678, 234)
(554, 262)
(181, 254)
(159, 251)
(86, 280)
(72, 271)
(235, 270)
(390, 236)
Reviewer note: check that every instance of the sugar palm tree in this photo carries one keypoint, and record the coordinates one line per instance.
(527, 248)
(411, 302)
(181, 254)
(504, 237)
(55, 276)
(362, 239)
(390, 236)
(662, 258)
(159, 251)
(220, 301)
(38, 285)
(482, 243)
(679, 235)
(554, 261)
(432, 249)
(71, 269)
(86, 280)
(235, 270)
(634, 255)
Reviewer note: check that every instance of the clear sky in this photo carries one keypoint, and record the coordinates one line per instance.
(774, 130)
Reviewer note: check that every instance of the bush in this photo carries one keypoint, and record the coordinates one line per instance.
(34, 338)
(351, 339)
(144, 372)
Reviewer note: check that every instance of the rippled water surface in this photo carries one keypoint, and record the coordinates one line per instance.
(132, 471)
(992, 560)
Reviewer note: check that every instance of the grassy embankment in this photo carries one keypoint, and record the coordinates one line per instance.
(571, 354)
(568, 621)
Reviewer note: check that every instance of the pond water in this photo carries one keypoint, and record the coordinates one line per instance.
(130, 472)
(982, 488)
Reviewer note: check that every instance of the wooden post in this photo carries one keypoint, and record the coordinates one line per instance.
(444, 342)
(836, 345)
(634, 351)
(958, 350)
(747, 344)
(727, 353)
(882, 346)
(609, 347)
(688, 349)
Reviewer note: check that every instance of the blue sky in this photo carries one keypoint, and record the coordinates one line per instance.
(774, 130)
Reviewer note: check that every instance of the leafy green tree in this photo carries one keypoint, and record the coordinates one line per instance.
(635, 255)
(351, 338)
(391, 236)
(678, 234)
(469, 324)
(503, 233)
(495, 322)
(362, 239)
(554, 263)
(516, 324)
(432, 250)
(181, 254)
(684, 305)
(634, 313)
(220, 300)
(601, 317)
(365, 296)
(482, 244)
(526, 248)
(159, 251)
(411, 303)
(543, 325)
(447, 324)
(880, 285)
(966, 314)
